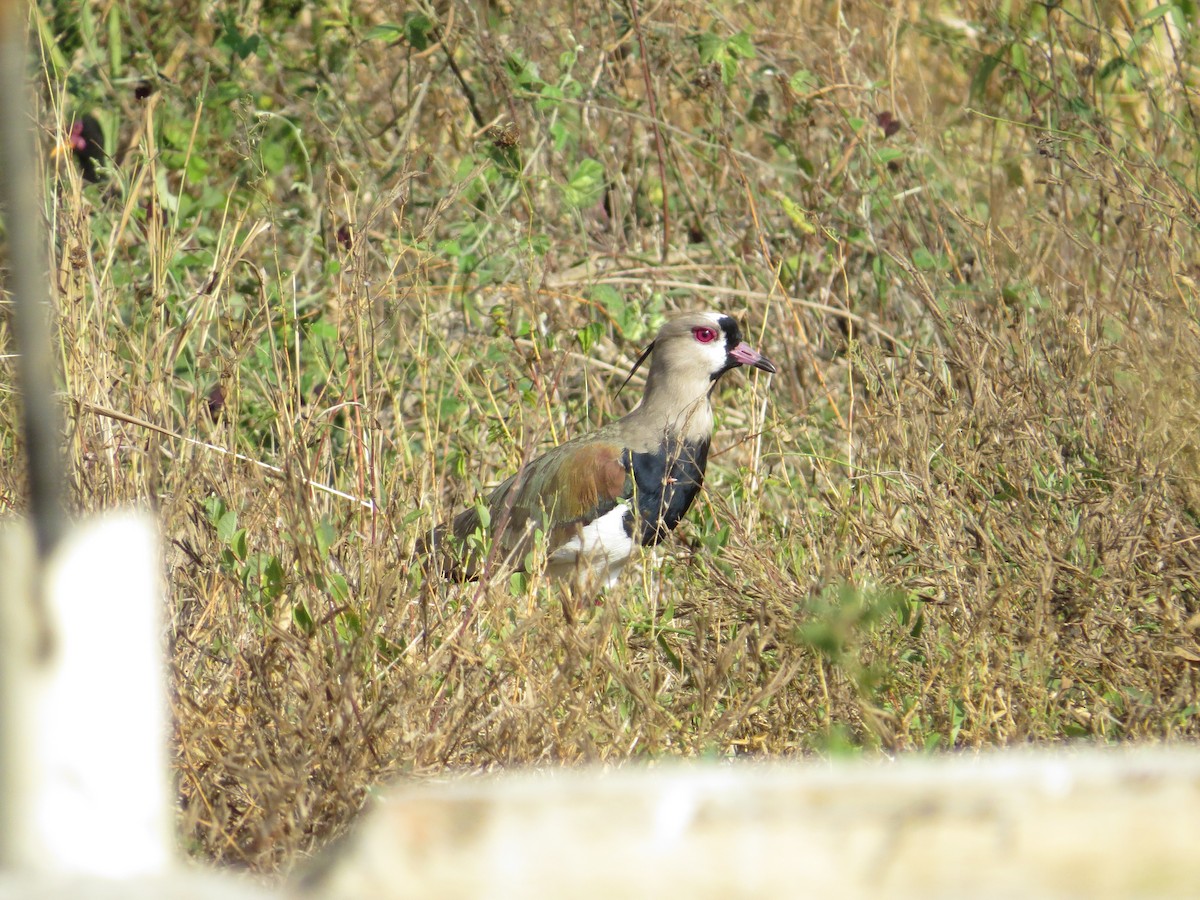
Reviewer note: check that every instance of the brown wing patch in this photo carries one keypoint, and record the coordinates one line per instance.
(587, 480)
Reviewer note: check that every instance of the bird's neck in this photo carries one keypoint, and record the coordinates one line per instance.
(673, 413)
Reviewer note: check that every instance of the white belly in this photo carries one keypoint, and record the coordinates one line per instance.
(597, 553)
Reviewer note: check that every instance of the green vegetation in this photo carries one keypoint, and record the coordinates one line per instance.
(377, 257)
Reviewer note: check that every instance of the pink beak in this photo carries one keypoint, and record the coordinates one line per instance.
(748, 356)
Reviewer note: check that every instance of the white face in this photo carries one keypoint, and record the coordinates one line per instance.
(708, 340)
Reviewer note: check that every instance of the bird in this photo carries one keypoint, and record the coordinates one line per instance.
(85, 142)
(598, 496)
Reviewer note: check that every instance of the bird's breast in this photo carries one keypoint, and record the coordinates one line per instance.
(666, 482)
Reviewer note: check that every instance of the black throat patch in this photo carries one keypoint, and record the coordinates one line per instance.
(733, 337)
(733, 334)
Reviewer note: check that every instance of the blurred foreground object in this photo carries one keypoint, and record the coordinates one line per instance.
(1088, 823)
(87, 787)
(85, 795)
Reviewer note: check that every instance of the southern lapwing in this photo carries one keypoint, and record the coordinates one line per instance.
(85, 143)
(630, 482)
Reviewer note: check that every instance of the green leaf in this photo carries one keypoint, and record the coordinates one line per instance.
(338, 588)
(711, 47)
(518, 583)
(524, 72)
(197, 169)
(923, 259)
(1158, 12)
(1112, 67)
(588, 335)
(628, 315)
(233, 39)
(237, 543)
(550, 95)
(226, 525)
(302, 619)
(417, 30)
(175, 135)
(586, 185)
(1019, 60)
(349, 626)
(214, 509)
(561, 135)
(608, 297)
(271, 576)
(325, 535)
(386, 32)
(274, 155)
(741, 46)
(803, 81)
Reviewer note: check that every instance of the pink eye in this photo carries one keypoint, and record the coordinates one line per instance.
(704, 335)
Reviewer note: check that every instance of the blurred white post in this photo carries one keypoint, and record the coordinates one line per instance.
(83, 783)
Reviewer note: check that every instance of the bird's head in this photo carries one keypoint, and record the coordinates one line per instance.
(698, 348)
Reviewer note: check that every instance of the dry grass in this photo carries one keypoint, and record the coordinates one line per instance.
(963, 514)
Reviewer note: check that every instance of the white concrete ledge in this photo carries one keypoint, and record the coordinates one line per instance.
(1005, 824)
(183, 884)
